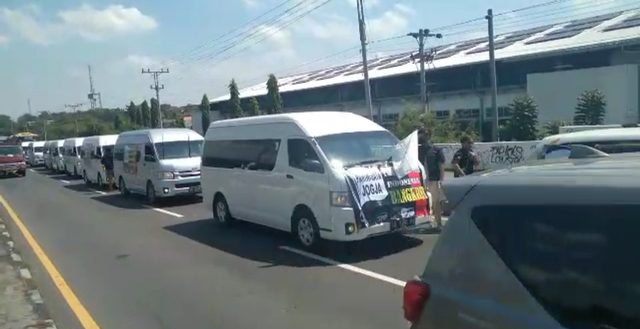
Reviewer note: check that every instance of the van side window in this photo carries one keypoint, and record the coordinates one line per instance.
(578, 262)
(255, 154)
(300, 150)
(98, 152)
(118, 153)
(149, 152)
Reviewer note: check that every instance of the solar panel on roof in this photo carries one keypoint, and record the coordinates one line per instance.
(329, 76)
(510, 39)
(633, 21)
(354, 72)
(378, 64)
(303, 81)
(445, 54)
(392, 65)
(574, 28)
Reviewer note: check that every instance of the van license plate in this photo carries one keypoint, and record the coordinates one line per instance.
(195, 189)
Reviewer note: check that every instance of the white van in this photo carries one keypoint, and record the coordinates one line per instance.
(57, 159)
(93, 148)
(158, 163)
(289, 172)
(71, 156)
(36, 153)
(611, 141)
(46, 154)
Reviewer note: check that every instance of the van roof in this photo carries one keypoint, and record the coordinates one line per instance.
(599, 135)
(314, 124)
(73, 141)
(104, 138)
(162, 134)
(38, 143)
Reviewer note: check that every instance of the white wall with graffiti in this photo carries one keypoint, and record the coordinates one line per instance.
(493, 155)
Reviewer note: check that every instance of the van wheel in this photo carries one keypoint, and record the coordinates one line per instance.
(305, 229)
(151, 193)
(86, 179)
(221, 211)
(123, 187)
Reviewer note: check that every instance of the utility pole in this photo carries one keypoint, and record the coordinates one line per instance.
(421, 36)
(73, 108)
(494, 80)
(29, 104)
(365, 65)
(157, 87)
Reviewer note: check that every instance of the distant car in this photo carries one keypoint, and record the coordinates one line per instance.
(12, 161)
(545, 246)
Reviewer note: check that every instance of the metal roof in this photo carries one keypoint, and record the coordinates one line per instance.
(593, 32)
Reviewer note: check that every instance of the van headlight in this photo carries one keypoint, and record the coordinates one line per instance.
(340, 199)
(165, 175)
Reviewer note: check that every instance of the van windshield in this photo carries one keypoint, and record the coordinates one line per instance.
(179, 149)
(10, 150)
(38, 149)
(355, 148)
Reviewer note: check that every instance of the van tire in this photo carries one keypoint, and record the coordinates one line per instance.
(122, 187)
(221, 212)
(305, 229)
(150, 194)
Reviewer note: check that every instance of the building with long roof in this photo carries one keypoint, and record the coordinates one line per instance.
(553, 64)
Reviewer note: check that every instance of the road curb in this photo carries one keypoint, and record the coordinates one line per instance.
(12, 256)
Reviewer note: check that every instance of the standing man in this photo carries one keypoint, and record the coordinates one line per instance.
(465, 161)
(432, 159)
(107, 162)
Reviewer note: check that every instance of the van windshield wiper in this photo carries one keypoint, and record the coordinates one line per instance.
(365, 162)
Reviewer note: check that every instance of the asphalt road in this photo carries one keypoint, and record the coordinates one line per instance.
(131, 266)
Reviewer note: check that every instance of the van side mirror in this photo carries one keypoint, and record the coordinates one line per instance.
(149, 158)
(312, 166)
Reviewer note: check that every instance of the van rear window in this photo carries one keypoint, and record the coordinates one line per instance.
(578, 262)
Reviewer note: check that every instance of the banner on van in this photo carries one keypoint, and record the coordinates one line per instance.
(387, 192)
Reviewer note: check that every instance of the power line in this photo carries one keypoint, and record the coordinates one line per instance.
(421, 37)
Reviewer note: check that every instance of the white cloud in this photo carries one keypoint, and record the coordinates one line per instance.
(252, 3)
(392, 22)
(4, 39)
(87, 22)
(281, 37)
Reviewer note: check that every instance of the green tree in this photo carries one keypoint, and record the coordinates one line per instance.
(205, 111)
(590, 109)
(155, 113)
(145, 112)
(132, 113)
(274, 100)
(179, 122)
(553, 127)
(234, 100)
(254, 107)
(117, 123)
(523, 125)
(442, 131)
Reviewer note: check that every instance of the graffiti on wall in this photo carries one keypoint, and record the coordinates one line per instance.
(493, 155)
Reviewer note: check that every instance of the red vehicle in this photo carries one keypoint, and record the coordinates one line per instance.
(12, 161)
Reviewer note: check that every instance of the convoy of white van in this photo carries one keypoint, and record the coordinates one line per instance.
(318, 175)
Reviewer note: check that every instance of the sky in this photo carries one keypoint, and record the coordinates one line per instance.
(46, 46)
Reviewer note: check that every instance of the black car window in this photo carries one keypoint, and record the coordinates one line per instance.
(581, 263)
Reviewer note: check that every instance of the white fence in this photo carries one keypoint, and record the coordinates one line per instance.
(493, 154)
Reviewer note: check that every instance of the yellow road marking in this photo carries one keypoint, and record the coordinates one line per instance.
(67, 293)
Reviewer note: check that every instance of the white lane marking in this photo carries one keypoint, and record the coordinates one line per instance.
(347, 267)
(170, 213)
(65, 181)
(31, 170)
(98, 191)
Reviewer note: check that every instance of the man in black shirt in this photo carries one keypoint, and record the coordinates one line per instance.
(432, 158)
(465, 161)
(107, 162)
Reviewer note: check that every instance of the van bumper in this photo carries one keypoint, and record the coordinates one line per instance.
(176, 187)
(343, 218)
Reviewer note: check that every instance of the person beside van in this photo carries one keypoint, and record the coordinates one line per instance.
(465, 161)
(107, 162)
(432, 158)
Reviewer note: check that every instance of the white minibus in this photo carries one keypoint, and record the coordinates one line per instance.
(36, 153)
(289, 172)
(93, 148)
(610, 141)
(158, 163)
(71, 156)
(46, 154)
(57, 159)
